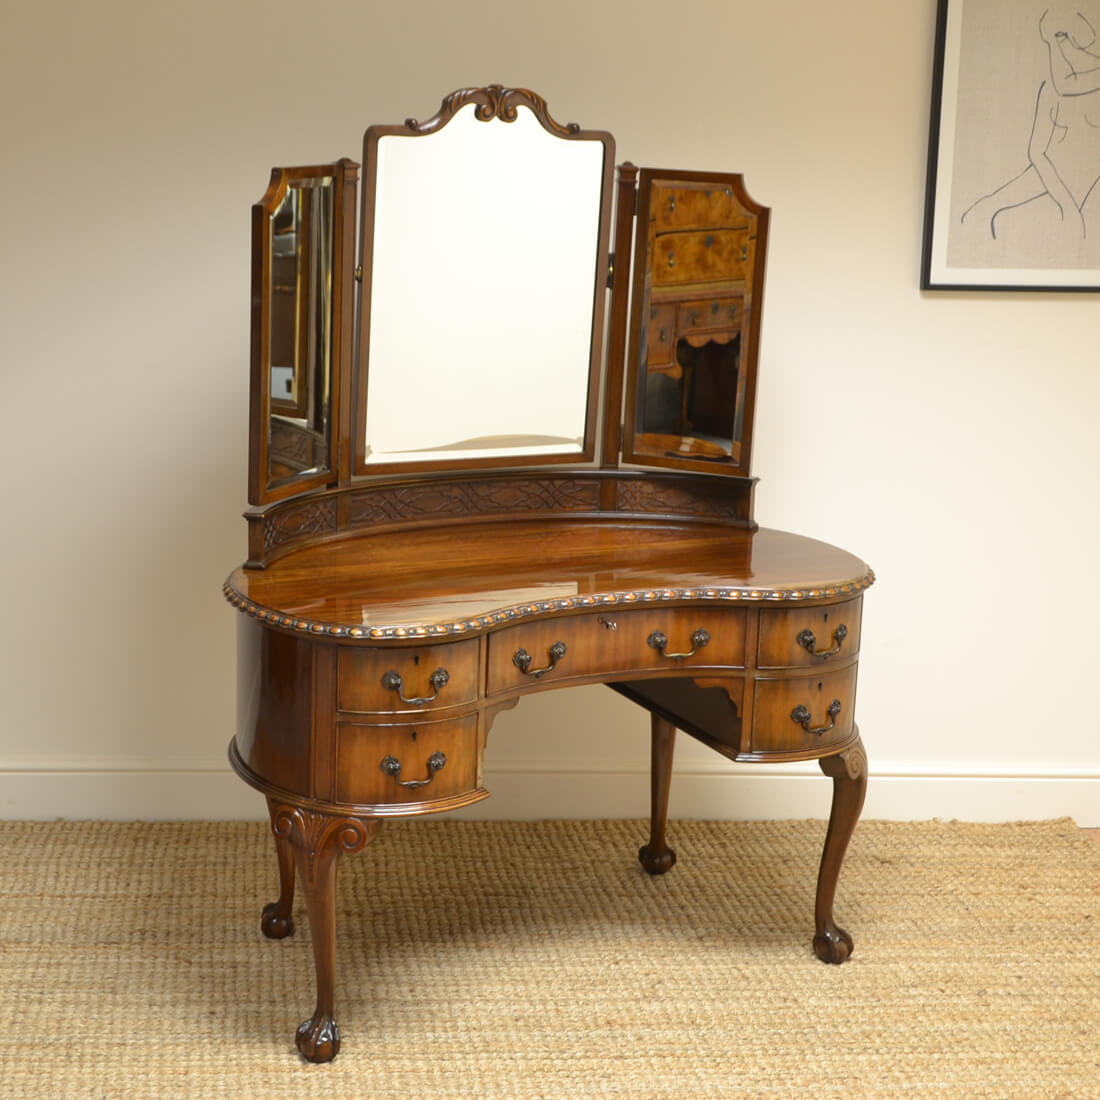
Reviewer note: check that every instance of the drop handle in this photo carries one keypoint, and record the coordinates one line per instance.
(522, 660)
(392, 682)
(658, 641)
(392, 766)
(807, 641)
(801, 716)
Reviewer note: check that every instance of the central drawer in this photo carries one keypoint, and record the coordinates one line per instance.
(615, 641)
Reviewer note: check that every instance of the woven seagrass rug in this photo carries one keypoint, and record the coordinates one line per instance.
(482, 959)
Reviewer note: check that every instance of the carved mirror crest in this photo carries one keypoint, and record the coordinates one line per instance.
(700, 245)
(484, 273)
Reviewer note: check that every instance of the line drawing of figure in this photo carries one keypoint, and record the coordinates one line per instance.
(1063, 150)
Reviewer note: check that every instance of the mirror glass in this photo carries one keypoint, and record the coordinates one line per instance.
(693, 303)
(483, 263)
(300, 334)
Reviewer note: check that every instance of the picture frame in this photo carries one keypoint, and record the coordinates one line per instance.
(1011, 201)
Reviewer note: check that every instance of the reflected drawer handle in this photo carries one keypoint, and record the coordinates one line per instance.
(658, 641)
(392, 766)
(522, 659)
(807, 641)
(392, 682)
(801, 715)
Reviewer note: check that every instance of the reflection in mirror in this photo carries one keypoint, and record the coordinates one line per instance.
(300, 337)
(489, 228)
(693, 311)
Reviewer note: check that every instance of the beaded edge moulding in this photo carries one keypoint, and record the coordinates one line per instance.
(532, 610)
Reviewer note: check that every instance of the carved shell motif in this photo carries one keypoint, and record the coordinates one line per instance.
(318, 835)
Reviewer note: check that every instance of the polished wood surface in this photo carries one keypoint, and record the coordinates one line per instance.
(372, 584)
(370, 676)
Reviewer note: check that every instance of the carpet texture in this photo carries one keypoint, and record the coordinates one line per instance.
(479, 959)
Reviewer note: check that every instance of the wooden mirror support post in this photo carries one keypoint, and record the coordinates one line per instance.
(391, 612)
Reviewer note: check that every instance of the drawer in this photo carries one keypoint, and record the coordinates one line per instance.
(696, 207)
(708, 314)
(660, 335)
(616, 641)
(805, 713)
(376, 764)
(396, 680)
(809, 636)
(702, 257)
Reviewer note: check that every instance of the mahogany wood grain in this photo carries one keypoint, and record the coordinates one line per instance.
(361, 750)
(656, 856)
(614, 644)
(835, 633)
(277, 920)
(369, 583)
(775, 730)
(848, 771)
(364, 685)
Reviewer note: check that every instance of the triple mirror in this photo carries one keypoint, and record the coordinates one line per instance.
(485, 266)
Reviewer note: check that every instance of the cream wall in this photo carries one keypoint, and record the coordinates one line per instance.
(949, 439)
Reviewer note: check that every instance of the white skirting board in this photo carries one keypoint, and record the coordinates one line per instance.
(145, 791)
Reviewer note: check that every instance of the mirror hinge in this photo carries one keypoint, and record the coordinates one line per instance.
(359, 273)
(611, 271)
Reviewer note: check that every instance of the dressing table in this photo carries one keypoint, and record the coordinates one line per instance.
(459, 497)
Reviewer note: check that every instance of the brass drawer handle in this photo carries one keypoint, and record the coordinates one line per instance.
(392, 682)
(807, 641)
(658, 641)
(522, 660)
(801, 715)
(392, 766)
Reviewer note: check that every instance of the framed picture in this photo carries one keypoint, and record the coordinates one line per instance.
(1012, 201)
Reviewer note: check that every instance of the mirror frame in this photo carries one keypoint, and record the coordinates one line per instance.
(344, 174)
(738, 463)
(493, 102)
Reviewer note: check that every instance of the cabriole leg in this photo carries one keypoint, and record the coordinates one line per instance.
(316, 841)
(656, 856)
(276, 921)
(848, 770)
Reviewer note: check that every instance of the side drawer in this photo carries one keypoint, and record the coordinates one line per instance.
(688, 206)
(366, 774)
(396, 680)
(660, 335)
(616, 641)
(710, 314)
(809, 636)
(804, 714)
(702, 257)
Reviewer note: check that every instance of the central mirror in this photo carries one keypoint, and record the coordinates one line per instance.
(485, 255)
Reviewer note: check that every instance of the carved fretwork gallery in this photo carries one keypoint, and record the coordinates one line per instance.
(460, 496)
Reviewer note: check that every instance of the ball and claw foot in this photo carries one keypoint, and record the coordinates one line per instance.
(834, 945)
(274, 924)
(656, 862)
(318, 1038)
